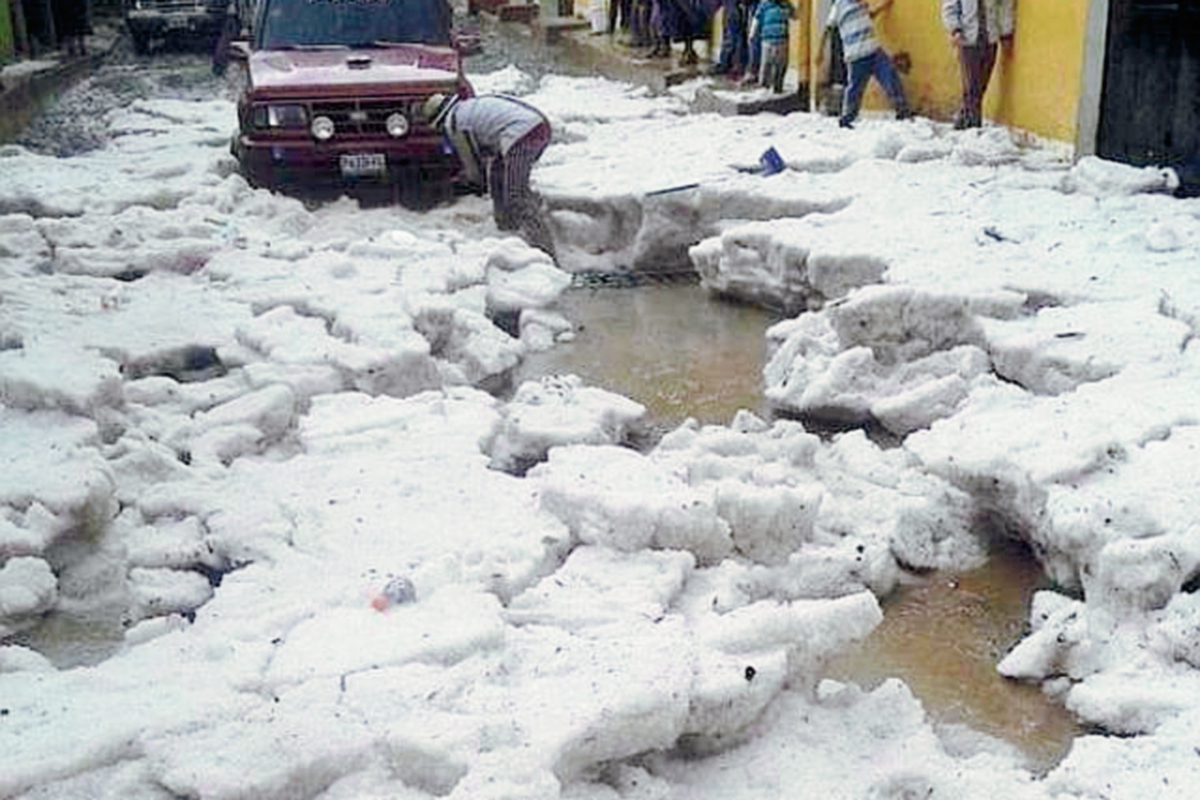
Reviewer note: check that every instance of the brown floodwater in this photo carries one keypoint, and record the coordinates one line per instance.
(943, 634)
(668, 345)
(682, 353)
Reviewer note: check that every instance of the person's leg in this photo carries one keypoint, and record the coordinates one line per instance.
(753, 60)
(658, 29)
(230, 29)
(730, 30)
(689, 56)
(971, 62)
(501, 191)
(741, 45)
(858, 72)
(885, 73)
(770, 63)
(524, 204)
(987, 63)
(638, 11)
(781, 66)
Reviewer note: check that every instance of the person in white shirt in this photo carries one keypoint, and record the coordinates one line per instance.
(975, 28)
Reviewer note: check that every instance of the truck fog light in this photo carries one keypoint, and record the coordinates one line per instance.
(397, 125)
(322, 129)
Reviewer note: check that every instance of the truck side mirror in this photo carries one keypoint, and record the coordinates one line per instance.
(239, 50)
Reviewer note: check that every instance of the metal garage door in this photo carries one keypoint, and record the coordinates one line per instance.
(1150, 109)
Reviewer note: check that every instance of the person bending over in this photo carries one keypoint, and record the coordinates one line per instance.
(498, 139)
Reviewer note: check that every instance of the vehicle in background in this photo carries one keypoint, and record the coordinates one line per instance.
(151, 20)
(333, 90)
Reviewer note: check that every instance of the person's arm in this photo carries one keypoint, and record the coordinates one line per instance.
(952, 19)
(1007, 22)
(465, 146)
(879, 9)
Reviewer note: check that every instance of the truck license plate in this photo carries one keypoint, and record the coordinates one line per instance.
(359, 165)
(177, 21)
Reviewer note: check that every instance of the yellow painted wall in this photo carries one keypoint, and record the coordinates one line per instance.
(1035, 88)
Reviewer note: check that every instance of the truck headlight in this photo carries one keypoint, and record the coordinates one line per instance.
(287, 116)
(322, 129)
(397, 125)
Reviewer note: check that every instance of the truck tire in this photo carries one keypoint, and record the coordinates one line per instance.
(141, 42)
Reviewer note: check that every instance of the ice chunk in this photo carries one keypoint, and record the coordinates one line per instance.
(616, 497)
(28, 588)
(556, 411)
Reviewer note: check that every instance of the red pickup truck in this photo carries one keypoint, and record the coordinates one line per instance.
(333, 93)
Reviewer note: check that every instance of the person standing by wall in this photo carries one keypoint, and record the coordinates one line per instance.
(771, 21)
(639, 23)
(864, 57)
(734, 39)
(753, 45)
(975, 27)
(618, 15)
(498, 139)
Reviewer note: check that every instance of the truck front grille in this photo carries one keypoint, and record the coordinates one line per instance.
(365, 117)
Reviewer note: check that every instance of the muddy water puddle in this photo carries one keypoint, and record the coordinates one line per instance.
(943, 635)
(668, 345)
(682, 353)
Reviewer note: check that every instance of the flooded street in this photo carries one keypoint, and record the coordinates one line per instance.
(683, 353)
(680, 352)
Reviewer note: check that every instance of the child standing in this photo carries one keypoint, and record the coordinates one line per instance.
(771, 26)
(864, 57)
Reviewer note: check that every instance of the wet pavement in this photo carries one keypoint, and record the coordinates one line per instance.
(570, 47)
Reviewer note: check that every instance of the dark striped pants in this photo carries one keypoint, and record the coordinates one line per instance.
(976, 63)
(514, 205)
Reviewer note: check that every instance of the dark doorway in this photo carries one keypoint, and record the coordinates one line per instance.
(1150, 108)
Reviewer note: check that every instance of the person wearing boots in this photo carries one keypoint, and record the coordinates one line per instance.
(498, 139)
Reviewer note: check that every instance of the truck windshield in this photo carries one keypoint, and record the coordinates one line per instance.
(352, 23)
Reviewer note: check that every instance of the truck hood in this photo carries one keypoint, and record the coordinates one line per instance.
(363, 68)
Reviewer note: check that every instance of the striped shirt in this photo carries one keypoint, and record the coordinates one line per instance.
(853, 23)
(496, 122)
(773, 17)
